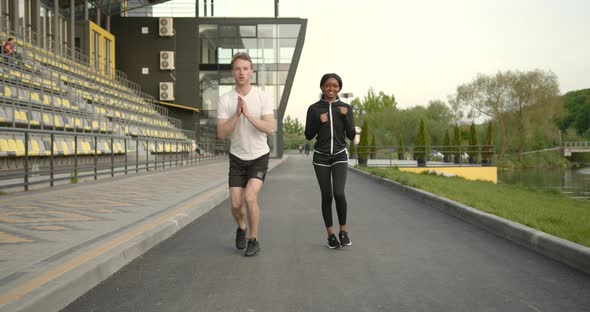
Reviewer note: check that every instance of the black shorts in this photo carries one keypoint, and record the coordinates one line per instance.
(326, 160)
(240, 171)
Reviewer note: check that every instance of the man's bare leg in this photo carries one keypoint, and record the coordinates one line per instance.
(251, 197)
(236, 203)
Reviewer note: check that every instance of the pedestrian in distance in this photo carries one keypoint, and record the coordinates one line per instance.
(307, 148)
(300, 148)
(246, 116)
(9, 50)
(330, 121)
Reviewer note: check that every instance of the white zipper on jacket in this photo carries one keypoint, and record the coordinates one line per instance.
(331, 129)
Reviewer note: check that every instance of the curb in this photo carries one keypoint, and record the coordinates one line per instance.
(60, 289)
(559, 249)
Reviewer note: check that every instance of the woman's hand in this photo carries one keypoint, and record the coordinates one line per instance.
(343, 110)
(324, 117)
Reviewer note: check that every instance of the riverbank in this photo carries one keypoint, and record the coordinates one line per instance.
(547, 159)
(547, 211)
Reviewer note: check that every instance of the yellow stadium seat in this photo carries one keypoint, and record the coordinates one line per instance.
(65, 148)
(8, 91)
(66, 103)
(20, 117)
(86, 148)
(34, 148)
(20, 147)
(4, 145)
(46, 100)
(57, 121)
(106, 146)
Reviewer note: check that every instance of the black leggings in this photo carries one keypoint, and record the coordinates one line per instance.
(332, 180)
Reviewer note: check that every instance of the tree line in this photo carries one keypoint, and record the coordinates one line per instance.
(525, 109)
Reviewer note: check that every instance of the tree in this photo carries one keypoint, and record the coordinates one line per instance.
(375, 103)
(401, 149)
(577, 112)
(292, 126)
(422, 144)
(447, 149)
(438, 117)
(457, 144)
(528, 89)
(363, 148)
(373, 148)
(488, 96)
(473, 148)
(487, 150)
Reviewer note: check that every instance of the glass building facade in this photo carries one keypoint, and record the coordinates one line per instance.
(274, 49)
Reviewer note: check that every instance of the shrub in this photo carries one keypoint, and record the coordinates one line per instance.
(473, 148)
(422, 142)
(363, 148)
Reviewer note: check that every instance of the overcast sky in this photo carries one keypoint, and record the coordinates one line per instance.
(422, 50)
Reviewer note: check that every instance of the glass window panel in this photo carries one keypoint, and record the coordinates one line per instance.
(267, 31)
(250, 44)
(286, 50)
(230, 31)
(225, 55)
(208, 51)
(209, 87)
(225, 78)
(208, 31)
(267, 78)
(288, 31)
(268, 53)
(248, 30)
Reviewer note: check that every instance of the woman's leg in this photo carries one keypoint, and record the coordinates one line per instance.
(324, 177)
(339, 172)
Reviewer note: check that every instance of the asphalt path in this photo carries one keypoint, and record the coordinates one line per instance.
(405, 256)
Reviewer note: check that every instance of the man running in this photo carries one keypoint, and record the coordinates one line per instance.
(246, 116)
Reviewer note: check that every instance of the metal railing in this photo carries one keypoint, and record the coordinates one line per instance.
(109, 155)
(430, 156)
(580, 144)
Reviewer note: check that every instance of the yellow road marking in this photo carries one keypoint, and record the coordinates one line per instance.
(35, 283)
(6, 238)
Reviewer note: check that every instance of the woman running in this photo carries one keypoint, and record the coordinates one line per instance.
(330, 121)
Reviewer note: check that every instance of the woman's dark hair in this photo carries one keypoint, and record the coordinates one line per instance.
(328, 76)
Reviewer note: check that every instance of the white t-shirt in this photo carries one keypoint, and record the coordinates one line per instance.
(247, 142)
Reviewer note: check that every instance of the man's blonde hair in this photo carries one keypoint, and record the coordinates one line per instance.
(242, 56)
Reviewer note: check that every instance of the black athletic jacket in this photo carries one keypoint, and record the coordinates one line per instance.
(330, 135)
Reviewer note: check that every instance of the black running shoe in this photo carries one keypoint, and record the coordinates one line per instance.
(333, 242)
(253, 247)
(240, 238)
(344, 239)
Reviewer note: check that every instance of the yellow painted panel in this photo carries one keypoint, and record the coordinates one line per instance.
(103, 35)
(489, 174)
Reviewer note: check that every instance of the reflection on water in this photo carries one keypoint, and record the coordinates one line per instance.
(574, 182)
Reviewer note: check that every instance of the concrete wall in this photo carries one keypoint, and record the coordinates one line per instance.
(470, 173)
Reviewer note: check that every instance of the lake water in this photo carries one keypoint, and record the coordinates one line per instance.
(573, 182)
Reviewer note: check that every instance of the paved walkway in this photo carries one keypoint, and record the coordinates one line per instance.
(405, 256)
(46, 235)
(57, 243)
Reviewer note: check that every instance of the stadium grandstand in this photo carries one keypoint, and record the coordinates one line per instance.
(65, 111)
(69, 109)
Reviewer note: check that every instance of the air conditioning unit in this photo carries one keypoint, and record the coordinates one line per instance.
(165, 27)
(166, 91)
(166, 60)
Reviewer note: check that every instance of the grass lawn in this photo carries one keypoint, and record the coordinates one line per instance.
(547, 211)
